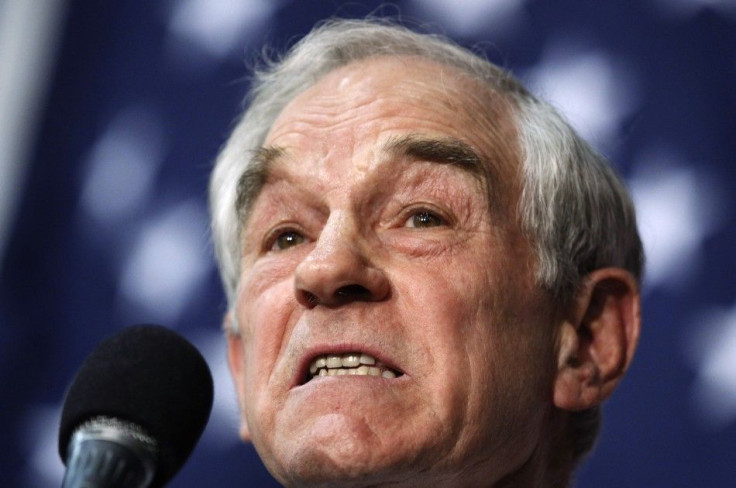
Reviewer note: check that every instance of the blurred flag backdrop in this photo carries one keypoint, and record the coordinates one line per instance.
(111, 114)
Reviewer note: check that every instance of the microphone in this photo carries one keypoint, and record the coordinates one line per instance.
(134, 411)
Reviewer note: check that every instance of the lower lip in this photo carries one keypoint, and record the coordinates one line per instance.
(352, 381)
(348, 394)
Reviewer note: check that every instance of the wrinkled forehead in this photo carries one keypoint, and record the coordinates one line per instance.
(410, 81)
(412, 95)
(411, 92)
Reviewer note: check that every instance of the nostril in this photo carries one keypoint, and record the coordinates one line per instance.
(353, 292)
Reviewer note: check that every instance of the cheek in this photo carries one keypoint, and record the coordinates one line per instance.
(448, 320)
(263, 305)
(263, 316)
(475, 324)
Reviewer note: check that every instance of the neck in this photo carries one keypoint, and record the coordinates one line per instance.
(542, 468)
(549, 465)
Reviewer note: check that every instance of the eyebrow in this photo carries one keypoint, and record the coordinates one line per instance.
(254, 177)
(446, 150)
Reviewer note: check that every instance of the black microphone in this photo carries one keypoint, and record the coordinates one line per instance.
(135, 410)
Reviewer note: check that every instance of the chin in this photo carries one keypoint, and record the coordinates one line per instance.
(336, 466)
(346, 459)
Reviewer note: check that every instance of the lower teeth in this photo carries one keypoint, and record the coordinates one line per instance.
(359, 371)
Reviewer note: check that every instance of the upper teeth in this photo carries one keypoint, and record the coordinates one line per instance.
(351, 363)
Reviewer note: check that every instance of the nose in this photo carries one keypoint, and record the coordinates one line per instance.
(338, 270)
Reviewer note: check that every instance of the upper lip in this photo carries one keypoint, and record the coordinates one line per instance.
(342, 348)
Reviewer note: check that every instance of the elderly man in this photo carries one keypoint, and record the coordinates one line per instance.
(432, 280)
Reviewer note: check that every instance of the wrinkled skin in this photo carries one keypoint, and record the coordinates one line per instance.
(352, 245)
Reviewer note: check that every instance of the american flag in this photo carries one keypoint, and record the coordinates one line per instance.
(111, 114)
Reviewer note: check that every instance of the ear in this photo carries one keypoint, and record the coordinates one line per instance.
(596, 343)
(236, 362)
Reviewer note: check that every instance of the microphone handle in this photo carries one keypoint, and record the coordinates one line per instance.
(106, 453)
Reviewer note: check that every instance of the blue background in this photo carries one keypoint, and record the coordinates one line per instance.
(108, 224)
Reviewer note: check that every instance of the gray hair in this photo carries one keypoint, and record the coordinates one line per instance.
(573, 208)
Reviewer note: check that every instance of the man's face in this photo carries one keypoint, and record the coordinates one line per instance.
(384, 242)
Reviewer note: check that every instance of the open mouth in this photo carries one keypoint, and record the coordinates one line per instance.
(352, 363)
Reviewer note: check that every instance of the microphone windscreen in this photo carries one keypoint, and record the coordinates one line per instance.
(150, 376)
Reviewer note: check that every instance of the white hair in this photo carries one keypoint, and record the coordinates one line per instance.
(573, 208)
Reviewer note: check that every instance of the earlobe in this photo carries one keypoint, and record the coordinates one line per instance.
(596, 343)
(236, 362)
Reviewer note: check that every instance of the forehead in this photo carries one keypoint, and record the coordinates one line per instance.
(369, 101)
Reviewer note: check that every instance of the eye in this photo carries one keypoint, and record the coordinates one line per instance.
(286, 239)
(424, 218)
